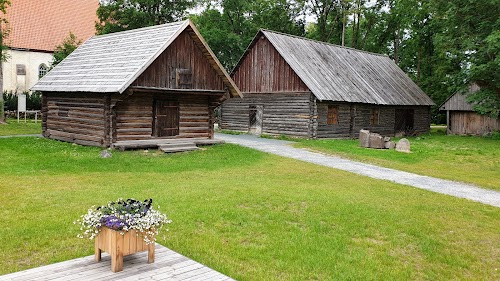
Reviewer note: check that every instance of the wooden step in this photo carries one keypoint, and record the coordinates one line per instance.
(177, 147)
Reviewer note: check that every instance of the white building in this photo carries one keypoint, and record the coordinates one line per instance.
(36, 28)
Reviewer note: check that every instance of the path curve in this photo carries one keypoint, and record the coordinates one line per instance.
(283, 148)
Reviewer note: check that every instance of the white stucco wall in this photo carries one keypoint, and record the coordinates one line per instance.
(32, 60)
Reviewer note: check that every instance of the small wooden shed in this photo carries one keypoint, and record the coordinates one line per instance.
(300, 87)
(159, 82)
(461, 119)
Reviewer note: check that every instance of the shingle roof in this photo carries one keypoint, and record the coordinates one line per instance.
(110, 63)
(44, 24)
(335, 73)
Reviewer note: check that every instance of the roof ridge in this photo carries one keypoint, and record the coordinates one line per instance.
(321, 42)
(141, 29)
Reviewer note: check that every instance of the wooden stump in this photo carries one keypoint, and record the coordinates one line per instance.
(118, 246)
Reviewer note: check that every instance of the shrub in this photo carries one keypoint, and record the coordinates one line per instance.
(33, 100)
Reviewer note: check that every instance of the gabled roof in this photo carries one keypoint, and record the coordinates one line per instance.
(110, 63)
(44, 24)
(335, 73)
(457, 101)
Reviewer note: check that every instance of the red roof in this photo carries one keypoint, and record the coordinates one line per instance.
(44, 24)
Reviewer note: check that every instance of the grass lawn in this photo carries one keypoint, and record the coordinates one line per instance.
(21, 128)
(468, 159)
(247, 214)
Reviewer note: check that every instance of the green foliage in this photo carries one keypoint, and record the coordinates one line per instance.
(4, 30)
(119, 15)
(63, 50)
(470, 39)
(495, 135)
(229, 26)
(33, 100)
(10, 100)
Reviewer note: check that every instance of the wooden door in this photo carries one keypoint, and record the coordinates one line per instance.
(166, 118)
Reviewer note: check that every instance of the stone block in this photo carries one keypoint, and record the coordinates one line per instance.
(377, 141)
(105, 154)
(403, 145)
(364, 138)
(390, 144)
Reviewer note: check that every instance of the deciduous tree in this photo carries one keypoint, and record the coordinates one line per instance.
(3, 57)
(119, 15)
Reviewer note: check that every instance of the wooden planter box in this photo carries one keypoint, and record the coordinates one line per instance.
(118, 246)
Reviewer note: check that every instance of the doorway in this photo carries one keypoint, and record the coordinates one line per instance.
(255, 113)
(166, 118)
(404, 122)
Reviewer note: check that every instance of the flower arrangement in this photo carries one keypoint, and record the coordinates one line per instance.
(124, 215)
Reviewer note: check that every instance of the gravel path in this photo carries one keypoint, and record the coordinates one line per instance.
(18, 136)
(283, 148)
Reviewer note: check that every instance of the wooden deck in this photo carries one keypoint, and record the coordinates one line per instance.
(168, 265)
(155, 143)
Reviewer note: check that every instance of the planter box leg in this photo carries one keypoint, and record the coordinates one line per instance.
(151, 253)
(117, 252)
(97, 251)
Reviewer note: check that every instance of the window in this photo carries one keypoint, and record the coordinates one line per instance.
(42, 70)
(333, 115)
(374, 117)
(183, 78)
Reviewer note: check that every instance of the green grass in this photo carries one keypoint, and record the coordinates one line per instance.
(250, 215)
(21, 128)
(468, 159)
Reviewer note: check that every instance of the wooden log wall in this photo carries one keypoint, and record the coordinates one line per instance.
(75, 117)
(195, 117)
(283, 113)
(182, 58)
(134, 116)
(358, 116)
(422, 119)
(471, 123)
(263, 70)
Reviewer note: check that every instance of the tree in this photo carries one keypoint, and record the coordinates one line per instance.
(228, 26)
(119, 15)
(328, 19)
(63, 50)
(470, 42)
(3, 57)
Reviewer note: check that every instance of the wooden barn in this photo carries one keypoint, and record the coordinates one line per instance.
(461, 119)
(136, 88)
(300, 87)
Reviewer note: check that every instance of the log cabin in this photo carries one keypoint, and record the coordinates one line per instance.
(461, 119)
(299, 87)
(139, 86)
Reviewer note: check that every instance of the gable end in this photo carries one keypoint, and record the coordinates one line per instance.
(263, 70)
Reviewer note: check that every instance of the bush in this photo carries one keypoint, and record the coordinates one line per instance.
(495, 135)
(33, 100)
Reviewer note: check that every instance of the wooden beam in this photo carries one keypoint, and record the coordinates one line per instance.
(178, 91)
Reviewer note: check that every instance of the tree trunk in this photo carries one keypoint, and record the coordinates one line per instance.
(2, 113)
(419, 58)
(357, 26)
(343, 28)
(396, 47)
